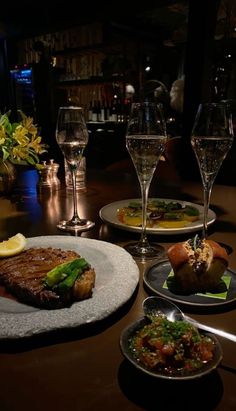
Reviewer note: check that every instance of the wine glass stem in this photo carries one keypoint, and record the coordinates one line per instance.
(75, 219)
(207, 195)
(144, 192)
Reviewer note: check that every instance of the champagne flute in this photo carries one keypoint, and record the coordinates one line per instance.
(145, 141)
(212, 138)
(72, 138)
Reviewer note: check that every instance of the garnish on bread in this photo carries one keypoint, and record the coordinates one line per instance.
(198, 264)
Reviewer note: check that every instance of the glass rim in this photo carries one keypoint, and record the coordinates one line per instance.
(71, 108)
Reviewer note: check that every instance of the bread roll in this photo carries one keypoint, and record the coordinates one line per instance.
(198, 265)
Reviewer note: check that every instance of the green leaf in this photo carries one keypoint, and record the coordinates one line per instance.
(5, 154)
(18, 162)
(31, 161)
(173, 216)
(191, 211)
(14, 125)
(135, 204)
(22, 114)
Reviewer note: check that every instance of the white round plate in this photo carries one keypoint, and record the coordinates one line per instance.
(108, 214)
(117, 276)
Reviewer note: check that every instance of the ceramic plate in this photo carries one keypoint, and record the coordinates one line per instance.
(205, 369)
(117, 276)
(109, 215)
(155, 277)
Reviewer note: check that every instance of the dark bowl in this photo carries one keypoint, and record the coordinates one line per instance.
(129, 332)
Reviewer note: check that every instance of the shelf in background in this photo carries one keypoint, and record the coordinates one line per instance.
(91, 80)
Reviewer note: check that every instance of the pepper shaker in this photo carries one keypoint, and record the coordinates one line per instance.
(48, 176)
(55, 182)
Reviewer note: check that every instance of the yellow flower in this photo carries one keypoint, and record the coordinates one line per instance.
(2, 135)
(20, 135)
(35, 143)
(20, 142)
(20, 153)
(27, 122)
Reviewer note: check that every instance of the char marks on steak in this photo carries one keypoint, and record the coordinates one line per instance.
(23, 275)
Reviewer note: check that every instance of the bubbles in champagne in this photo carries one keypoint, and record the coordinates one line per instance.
(210, 153)
(145, 152)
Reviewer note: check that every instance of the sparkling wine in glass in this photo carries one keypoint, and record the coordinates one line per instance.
(145, 141)
(212, 138)
(72, 138)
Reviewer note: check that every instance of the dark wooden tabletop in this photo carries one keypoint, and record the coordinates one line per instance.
(83, 369)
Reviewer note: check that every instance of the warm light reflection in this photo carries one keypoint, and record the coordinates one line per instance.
(51, 205)
(69, 207)
(57, 207)
(7, 209)
(8, 214)
(103, 231)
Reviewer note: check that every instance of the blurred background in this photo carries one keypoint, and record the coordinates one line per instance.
(105, 55)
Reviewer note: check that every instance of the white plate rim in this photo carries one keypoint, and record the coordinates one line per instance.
(117, 276)
(108, 215)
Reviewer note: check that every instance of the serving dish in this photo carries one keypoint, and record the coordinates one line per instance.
(156, 281)
(117, 276)
(130, 331)
(108, 214)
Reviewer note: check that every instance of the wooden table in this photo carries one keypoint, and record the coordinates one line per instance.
(84, 370)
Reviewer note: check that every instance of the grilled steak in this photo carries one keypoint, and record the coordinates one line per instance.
(23, 275)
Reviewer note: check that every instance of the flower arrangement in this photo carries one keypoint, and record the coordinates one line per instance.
(20, 142)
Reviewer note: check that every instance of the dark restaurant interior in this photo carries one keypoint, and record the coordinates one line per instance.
(103, 57)
(71, 347)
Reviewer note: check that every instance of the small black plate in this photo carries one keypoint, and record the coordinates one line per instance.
(130, 331)
(156, 275)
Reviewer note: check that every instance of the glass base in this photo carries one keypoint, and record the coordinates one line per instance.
(84, 225)
(144, 252)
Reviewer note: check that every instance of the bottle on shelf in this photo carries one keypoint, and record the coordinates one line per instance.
(109, 111)
(103, 113)
(90, 111)
(98, 110)
(119, 111)
(127, 108)
(102, 109)
(114, 113)
(94, 112)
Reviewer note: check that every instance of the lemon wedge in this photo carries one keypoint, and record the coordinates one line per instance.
(14, 245)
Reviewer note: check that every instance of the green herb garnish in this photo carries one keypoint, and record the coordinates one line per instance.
(195, 242)
(63, 276)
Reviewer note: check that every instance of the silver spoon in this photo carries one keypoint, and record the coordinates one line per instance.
(158, 305)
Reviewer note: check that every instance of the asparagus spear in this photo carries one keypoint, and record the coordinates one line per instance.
(62, 271)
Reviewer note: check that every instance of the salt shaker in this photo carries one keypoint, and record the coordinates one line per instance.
(48, 176)
(55, 182)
